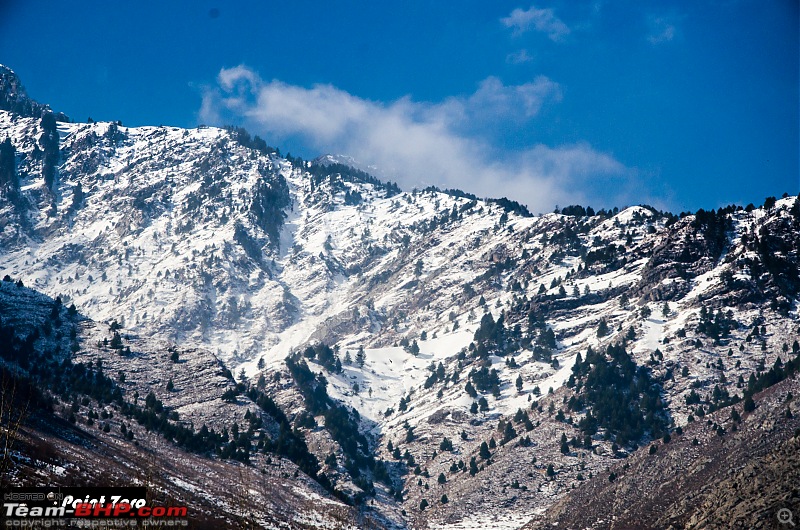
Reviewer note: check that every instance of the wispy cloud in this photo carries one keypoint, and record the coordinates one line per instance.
(494, 101)
(541, 20)
(661, 30)
(445, 144)
(519, 57)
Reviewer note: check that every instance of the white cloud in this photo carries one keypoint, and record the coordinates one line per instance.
(519, 57)
(418, 144)
(494, 102)
(542, 20)
(238, 76)
(661, 30)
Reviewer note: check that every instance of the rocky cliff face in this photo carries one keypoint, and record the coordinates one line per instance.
(13, 97)
(739, 477)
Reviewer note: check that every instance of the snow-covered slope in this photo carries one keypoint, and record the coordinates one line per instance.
(166, 230)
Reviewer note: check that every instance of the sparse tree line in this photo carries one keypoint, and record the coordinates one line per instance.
(342, 424)
(84, 386)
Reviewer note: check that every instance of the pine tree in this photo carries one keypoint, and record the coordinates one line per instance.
(624, 300)
(519, 383)
(602, 328)
(564, 445)
(8, 166)
(361, 357)
(473, 466)
(470, 390)
(509, 433)
(49, 143)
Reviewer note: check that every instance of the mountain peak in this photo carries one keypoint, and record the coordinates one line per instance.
(330, 159)
(14, 98)
(347, 160)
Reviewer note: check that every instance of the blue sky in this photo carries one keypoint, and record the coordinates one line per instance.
(678, 104)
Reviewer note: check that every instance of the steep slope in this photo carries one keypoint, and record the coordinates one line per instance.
(80, 409)
(163, 229)
(14, 98)
(739, 478)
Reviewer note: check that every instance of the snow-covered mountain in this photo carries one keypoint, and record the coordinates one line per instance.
(441, 321)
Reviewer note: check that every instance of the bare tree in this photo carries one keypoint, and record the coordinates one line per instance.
(240, 497)
(11, 417)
